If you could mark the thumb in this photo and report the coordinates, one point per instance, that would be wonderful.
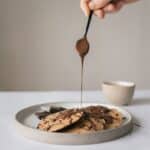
(84, 6)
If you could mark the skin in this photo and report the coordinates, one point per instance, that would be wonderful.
(103, 7)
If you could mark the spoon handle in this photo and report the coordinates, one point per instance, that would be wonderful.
(90, 17)
(88, 23)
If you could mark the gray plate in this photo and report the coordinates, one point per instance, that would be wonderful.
(26, 122)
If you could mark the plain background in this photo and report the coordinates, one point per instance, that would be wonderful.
(37, 39)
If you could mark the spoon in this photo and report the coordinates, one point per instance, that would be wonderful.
(82, 45)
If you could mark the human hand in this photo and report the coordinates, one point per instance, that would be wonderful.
(102, 7)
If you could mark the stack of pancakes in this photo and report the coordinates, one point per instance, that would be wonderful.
(83, 120)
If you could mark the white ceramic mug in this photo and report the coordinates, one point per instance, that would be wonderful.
(118, 92)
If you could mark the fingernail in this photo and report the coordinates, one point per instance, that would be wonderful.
(91, 5)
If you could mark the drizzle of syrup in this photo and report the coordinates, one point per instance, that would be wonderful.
(82, 46)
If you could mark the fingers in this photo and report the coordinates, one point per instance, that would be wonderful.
(101, 7)
(119, 5)
(87, 5)
(99, 13)
(112, 8)
(97, 4)
(84, 4)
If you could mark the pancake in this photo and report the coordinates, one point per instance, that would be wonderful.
(84, 120)
(60, 120)
(96, 118)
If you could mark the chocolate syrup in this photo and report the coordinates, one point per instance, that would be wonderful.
(81, 88)
(82, 46)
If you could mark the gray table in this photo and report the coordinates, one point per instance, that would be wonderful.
(11, 102)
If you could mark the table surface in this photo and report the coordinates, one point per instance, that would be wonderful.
(11, 102)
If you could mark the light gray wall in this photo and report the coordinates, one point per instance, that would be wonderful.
(37, 39)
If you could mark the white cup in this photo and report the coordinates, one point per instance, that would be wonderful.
(118, 92)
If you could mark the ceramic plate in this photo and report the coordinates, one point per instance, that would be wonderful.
(26, 123)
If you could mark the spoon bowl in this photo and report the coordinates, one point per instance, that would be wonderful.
(82, 46)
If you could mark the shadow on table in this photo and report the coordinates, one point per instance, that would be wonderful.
(141, 101)
(137, 125)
